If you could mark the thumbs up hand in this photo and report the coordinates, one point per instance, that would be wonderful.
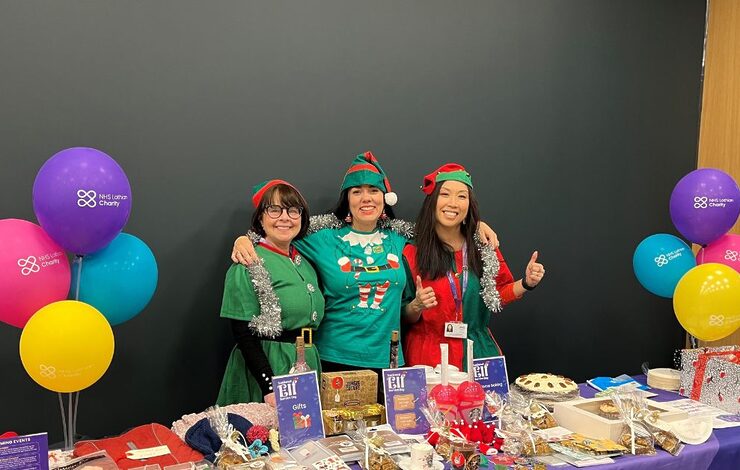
(425, 297)
(534, 272)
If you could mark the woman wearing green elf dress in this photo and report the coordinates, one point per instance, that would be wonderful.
(270, 302)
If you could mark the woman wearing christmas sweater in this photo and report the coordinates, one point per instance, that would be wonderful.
(357, 251)
(458, 282)
(269, 303)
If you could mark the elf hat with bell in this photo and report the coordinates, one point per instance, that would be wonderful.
(447, 172)
(365, 169)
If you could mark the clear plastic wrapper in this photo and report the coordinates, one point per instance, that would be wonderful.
(517, 426)
(234, 449)
(493, 402)
(635, 436)
(376, 457)
(633, 409)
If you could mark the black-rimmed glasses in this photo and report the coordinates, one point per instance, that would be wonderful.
(274, 211)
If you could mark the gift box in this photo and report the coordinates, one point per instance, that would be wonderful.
(721, 384)
(350, 388)
(583, 416)
(712, 376)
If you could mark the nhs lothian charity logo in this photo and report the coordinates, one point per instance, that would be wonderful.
(663, 259)
(28, 265)
(50, 372)
(731, 255)
(92, 199)
(704, 202)
(86, 198)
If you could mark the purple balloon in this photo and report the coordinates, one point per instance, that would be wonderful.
(82, 199)
(705, 204)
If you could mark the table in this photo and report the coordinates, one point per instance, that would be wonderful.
(720, 452)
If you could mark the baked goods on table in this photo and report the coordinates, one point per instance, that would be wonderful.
(546, 383)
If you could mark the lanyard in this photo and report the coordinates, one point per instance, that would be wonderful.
(463, 285)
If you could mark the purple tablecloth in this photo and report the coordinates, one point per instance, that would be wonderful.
(720, 452)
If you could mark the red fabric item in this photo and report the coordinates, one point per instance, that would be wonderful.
(701, 364)
(8, 434)
(142, 437)
(421, 342)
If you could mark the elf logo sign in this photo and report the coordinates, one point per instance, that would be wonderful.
(396, 382)
(480, 371)
(287, 390)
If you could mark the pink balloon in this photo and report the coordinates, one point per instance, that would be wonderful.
(34, 271)
(726, 250)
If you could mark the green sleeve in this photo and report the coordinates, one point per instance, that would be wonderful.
(309, 246)
(240, 300)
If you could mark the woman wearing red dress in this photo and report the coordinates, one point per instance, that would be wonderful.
(458, 281)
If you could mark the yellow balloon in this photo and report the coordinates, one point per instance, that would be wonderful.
(707, 301)
(66, 346)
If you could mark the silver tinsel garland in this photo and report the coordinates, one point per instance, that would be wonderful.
(323, 221)
(320, 222)
(488, 291)
(268, 323)
(401, 227)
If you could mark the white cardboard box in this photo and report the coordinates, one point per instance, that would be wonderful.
(582, 416)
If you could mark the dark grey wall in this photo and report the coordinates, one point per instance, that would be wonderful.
(576, 119)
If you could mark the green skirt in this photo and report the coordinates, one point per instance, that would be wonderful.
(239, 386)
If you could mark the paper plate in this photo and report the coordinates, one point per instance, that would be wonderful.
(695, 430)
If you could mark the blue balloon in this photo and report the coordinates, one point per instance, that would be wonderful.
(118, 280)
(660, 261)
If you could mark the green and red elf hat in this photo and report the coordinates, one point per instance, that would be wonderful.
(365, 169)
(260, 189)
(447, 172)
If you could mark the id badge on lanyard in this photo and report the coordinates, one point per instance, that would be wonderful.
(458, 329)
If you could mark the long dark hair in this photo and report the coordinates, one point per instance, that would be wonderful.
(433, 257)
(341, 208)
(289, 197)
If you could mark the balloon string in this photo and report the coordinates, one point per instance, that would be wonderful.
(64, 419)
(78, 260)
(69, 408)
(74, 420)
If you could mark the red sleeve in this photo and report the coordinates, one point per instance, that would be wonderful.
(505, 281)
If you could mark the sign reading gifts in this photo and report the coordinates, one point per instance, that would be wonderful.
(298, 408)
(490, 373)
(405, 393)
